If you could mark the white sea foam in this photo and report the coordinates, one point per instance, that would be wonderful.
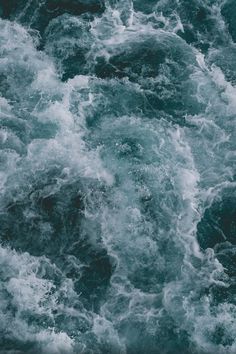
(144, 183)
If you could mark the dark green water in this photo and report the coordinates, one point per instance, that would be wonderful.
(117, 177)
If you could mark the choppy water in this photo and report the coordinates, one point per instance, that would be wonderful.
(117, 176)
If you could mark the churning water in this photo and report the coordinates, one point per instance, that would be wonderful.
(117, 176)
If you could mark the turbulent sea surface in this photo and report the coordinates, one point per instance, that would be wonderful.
(117, 176)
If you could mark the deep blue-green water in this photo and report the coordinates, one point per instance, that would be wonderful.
(118, 176)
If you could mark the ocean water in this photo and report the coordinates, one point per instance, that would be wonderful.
(117, 176)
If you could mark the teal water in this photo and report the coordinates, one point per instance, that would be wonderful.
(117, 176)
